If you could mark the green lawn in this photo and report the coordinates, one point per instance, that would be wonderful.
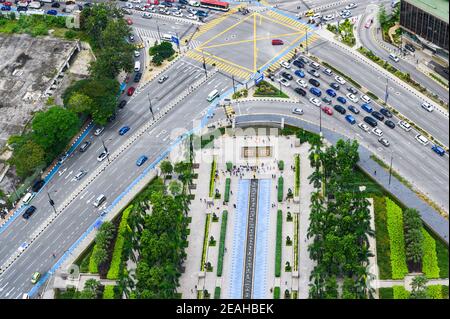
(386, 293)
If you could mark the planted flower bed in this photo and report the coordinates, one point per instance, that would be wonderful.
(223, 232)
(227, 190)
(429, 260)
(297, 176)
(278, 244)
(212, 178)
(205, 242)
(397, 241)
(296, 242)
(280, 189)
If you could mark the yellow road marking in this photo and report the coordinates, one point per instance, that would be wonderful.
(282, 23)
(212, 56)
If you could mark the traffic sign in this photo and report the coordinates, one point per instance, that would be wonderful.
(259, 78)
(175, 40)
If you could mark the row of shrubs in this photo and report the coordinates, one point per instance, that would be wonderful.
(280, 189)
(430, 265)
(205, 242)
(212, 178)
(278, 243)
(227, 190)
(297, 175)
(223, 232)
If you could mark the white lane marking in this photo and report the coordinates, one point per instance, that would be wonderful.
(2, 288)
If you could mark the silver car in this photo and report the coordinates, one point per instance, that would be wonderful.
(297, 111)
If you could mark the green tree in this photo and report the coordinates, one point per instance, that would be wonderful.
(175, 188)
(91, 289)
(80, 103)
(412, 224)
(418, 287)
(166, 167)
(27, 157)
(331, 288)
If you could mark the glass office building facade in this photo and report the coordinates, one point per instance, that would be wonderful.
(415, 18)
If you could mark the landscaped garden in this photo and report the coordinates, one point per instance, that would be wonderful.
(265, 89)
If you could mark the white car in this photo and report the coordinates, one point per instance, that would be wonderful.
(102, 156)
(365, 98)
(99, 131)
(344, 12)
(135, 1)
(384, 141)
(427, 106)
(284, 82)
(340, 80)
(79, 175)
(192, 16)
(352, 98)
(328, 72)
(315, 101)
(297, 111)
(405, 125)
(177, 14)
(23, 246)
(377, 131)
(364, 127)
(137, 53)
(316, 16)
(421, 139)
(302, 83)
(328, 17)
(350, 6)
(285, 65)
(146, 15)
(163, 78)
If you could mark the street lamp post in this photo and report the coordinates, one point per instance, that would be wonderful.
(51, 202)
(387, 92)
(150, 105)
(234, 86)
(106, 150)
(204, 64)
(320, 121)
(306, 27)
(390, 168)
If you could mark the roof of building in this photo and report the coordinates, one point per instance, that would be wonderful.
(438, 8)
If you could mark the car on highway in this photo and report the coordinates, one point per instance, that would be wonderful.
(298, 64)
(137, 53)
(410, 48)
(405, 125)
(349, 118)
(315, 91)
(328, 72)
(28, 212)
(285, 65)
(300, 91)
(302, 83)
(352, 90)
(427, 106)
(339, 108)
(326, 100)
(85, 146)
(314, 73)
(100, 199)
(314, 82)
(340, 80)
(351, 5)
(352, 97)
(327, 110)
(386, 112)
(129, 21)
(341, 99)
(52, 12)
(122, 104)
(35, 277)
(123, 130)
(383, 141)
(99, 130)
(79, 175)
(393, 57)
(37, 185)
(137, 77)
(297, 111)
(146, 15)
(335, 86)
(284, 82)
(163, 79)
(371, 121)
(389, 124)
(364, 127)
(439, 150)
(353, 109)
(287, 76)
(102, 156)
(376, 131)
(130, 91)
(315, 65)
(5, 8)
(421, 139)
(55, 5)
(299, 73)
(331, 92)
(328, 17)
(192, 16)
(141, 160)
(365, 98)
(366, 107)
(277, 42)
(378, 116)
(315, 101)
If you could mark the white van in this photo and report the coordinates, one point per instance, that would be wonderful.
(167, 37)
(28, 197)
(137, 66)
(194, 3)
(100, 199)
(214, 93)
(315, 65)
(394, 57)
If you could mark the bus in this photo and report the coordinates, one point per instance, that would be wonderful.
(215, 5)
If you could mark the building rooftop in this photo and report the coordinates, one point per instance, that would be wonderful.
(438, 8)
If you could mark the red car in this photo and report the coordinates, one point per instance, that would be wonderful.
(327, 110)
(129, 21)
(277, 42)
(7, 3)
(130, 91)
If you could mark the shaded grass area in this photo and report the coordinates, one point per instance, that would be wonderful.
(386, 293)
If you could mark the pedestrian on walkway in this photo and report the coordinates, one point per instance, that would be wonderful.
(375, 172)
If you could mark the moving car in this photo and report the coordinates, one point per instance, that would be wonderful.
(137, 53)
(352, 97)
(439, 150)
(378, 115)
(349, 118)
(162, 79)
(328, 17)
(410, 48)
(28, 212)
(302, 83)
(35, 277)
(389, 124)
(129, 21)
(315, 91)
(350, 6)
(99, 131)
(341, 99)
(79, 175)
(130, 91)
(314, 82)
(383, 141)
(393, 57)
(137, 77)
(427, 106)
(421, 139)
(297, 111)
(277, 42)
(102, 156)
(376, 131)
(331, 92)
(340, 80)
(100, 199)
(37, 185)
(353, 109)
(315, 101)
(123, 130)
(141, 160)
(85, 146)
(405, 125)
(339, 109)
(327, 110)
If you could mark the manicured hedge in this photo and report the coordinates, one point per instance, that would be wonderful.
(276, 293)
(211, 179)
(429, 260)
(217, 293)
(114, 268)
(278, 244)
(445, 292)
(226, 198)
(296, 224)
(109, 293)
(382, 238)
(400, 292)
(93, 267)
(223, 232)
(297, 176)
(280, 189)
(205, 242)
(229, 166)
(442, 255)
(434, 291)
(386, 293)
(397, 240)
(281, 165)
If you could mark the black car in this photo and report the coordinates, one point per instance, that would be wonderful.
(22, 9)
(85, 146)
(287, 76)
(371, 121)
(314, 82)
(55, 5)
(339, 108)
(389, 123)
(378, 115)
(313, 72)
(37, 185)
(138, 77)
(352, 90)
(335, 86)
(386, 112)
(303, 59)
(167, 4)
(353, 109)
(122, 104)
(111, 118)
(298, 64)
(300, 91)
(410, 47)
(272, 76)
(326, 100)
(30, 211)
